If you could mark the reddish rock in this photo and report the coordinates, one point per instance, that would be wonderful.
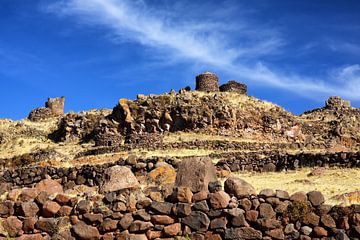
(50, 208)
(30, 237)
(50, 186)
(65, 211)
(108, 225)
(245, 204)
(29, 209)
(266, 223)
(6, 208)
(161, 207)
(316, 198)
(266, 211)
(42, 198)
(239, 221)
(172, 230)
(311, 219)
(238, 187)
(299, 197)
(119, 178)
(212, 236)
(62, 198)
(251, 215)
(242, 233)
(48, 225)
(276, 234)
(282, 194)
(84, 206)
(267, 193)
(140, 226)
(108, 236)
(318, 172)
(184, 194)
(343, 223)
(28, 194)
(162, 219)
(142, 215)
(328, 221)
(197, 221)
(200, 196)
(218, 223)
(153, 234)
(182, 209)
(320, 232)
(219, 200)
(93, 217)
(126, 221)
(355, 219)
(29, 224)
(13, 226)
(85, 232)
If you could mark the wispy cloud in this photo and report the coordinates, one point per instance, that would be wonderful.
(344, 47)
(221, 45)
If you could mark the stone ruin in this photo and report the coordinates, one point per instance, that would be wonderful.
(234, 86)
(207, 82)
(54, 107)
(336, 103)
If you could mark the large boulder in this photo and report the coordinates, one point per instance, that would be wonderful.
(50, 186)
(119, 178)
(238, 187)
(196, 173)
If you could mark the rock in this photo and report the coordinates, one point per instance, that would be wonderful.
(50, 186)
(182, 209)
(299, 197)
(50, 208)
(242, 233)
(6, 208)
(30, 237)
(202, 172)
(341, 235)
(218, 223)
(267, 193)
(162, 219)
(13, 226)
(320, 232)
(140, 226)
(162, 175)
(212, 236)
(267, 223)
(93, 217)
(142, 215)
(289, 228)
(282, 194)
(219, 200)
(153, 234)
(266, 211)
(108, 225)
(48, 225)
(311, 219)
(29, 224)
(65, 211)
(276, 233)
(126, 221)
(200, 196)
(197, 221)
(119, 207)
(84, 206)
(251, 215)
(28, 194)
(239, 221)
(62, 198)
(85, 232)
(238, 187)
(306, 230)
(328, 221)
(172, 230)
(317, 172)
(245, 204)
(316, 198)
(119, 178)
(161, 207)
(269, 167)
(201, 206)
(29, 209)
(184, 194)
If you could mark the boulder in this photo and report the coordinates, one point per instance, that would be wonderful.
(197, 221)
(50, 186)
(119, 178)
(13, 226)
(316, 198)
(202, 172)
(238, 187)
(242, 233)
(85, 232)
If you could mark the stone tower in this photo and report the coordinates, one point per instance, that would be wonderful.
(336, 103)
(233, 86)
(56, 105)
(207, 82)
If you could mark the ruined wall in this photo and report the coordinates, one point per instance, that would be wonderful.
(336, 103)
(54, 107)
(233, 86)
(207, 82)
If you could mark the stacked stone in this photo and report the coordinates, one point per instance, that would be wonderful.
(233, 86)
(197, 208)
(336, 103)
(207, 82)
(54, 107)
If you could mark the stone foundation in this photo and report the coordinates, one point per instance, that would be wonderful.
(233, 86)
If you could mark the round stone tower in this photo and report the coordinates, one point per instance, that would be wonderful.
(234, 86)
(207, 82)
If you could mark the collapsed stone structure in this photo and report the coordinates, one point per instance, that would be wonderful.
(207, 82)
(336, 103)
(233, 86)
(54, 107)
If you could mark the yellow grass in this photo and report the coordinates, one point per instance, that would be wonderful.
(335, 181)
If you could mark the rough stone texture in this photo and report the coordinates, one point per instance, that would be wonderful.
(242, 233)
(50, 186)
(197, 221)
(335, 103)
(316, 198)
(233, 86)
(56, 105)
(119, 178)
(219, 200)
(202, 172)
(86, 232)
(238, 187)
(12, 225)
(207, 82)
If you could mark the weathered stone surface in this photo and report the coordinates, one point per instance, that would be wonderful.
(50, 186)
(161, 207)
(162, 219)
(238, 187)
(239, 221)
(29, 224)
(299, 197)
(172, 230)
(320, 232)
(311, 219)
(276, 234)
(328, 221)
(48, 225)
(84, 206)
(267, 193)
(282, 194)
(242, 233)
(218, 223)
(184, 194)
(207, 82)
(182, 209)
(197, 221)
(202, 172)
(219, 200)
(200, 196)
(6, 208)
(162, 175)
(50, 208)
(316, 198)
(108, 225)
(140, 226)
(85, 232)
(29, 209)
(119, 178)
(13, 226)
(126, 221)
(266, 211)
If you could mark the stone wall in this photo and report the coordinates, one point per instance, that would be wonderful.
(336, 103)
(54, 107)
(48, 212)
(207, 82)
(233, 86)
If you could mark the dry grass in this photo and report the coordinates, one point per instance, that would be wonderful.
(333, 182)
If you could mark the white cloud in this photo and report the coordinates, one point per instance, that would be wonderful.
(208, 42)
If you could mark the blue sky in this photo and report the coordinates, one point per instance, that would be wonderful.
(93, 52)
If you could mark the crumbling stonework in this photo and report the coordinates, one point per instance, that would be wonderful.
(336, 103)
(207, 82)
(54, 107)
(233, 86)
